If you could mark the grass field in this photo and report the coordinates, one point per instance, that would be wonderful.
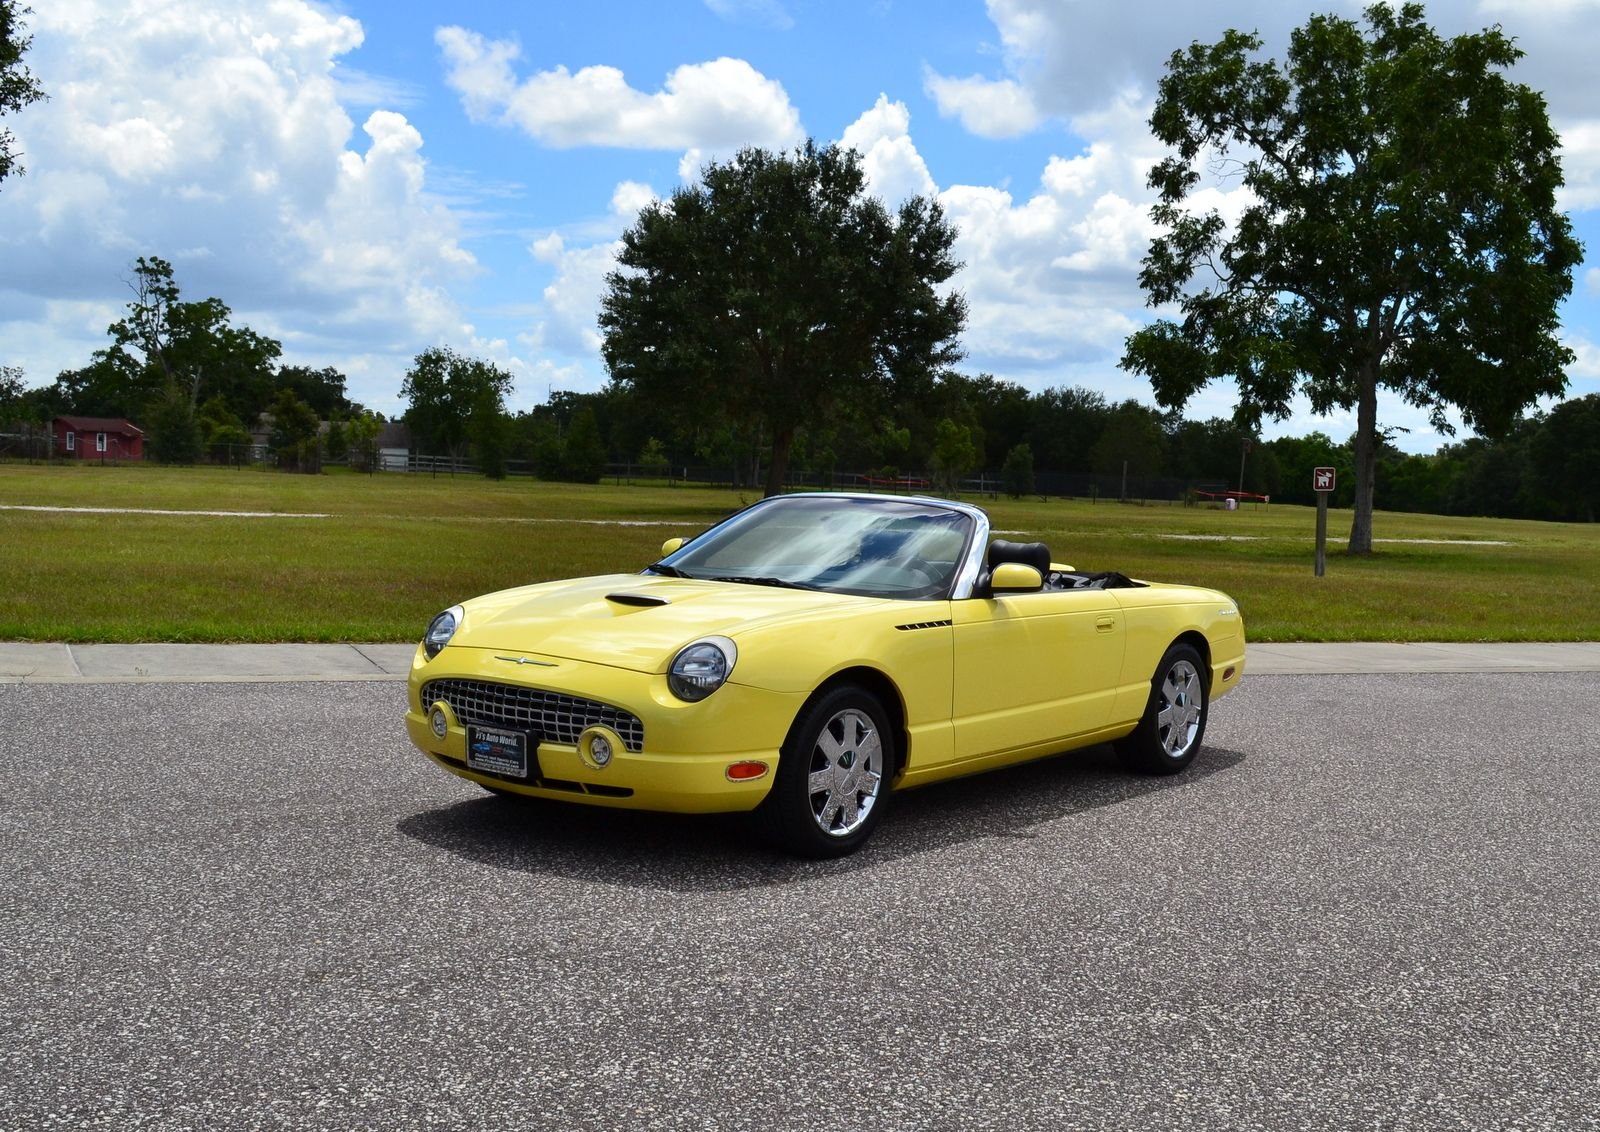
(396, 548)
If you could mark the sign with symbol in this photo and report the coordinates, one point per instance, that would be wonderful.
(1322, 479)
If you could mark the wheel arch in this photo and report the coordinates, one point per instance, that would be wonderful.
(1197, 641)
(884, 690)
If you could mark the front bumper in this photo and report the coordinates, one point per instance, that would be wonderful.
(687, 749)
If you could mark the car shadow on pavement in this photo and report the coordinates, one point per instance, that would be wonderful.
(719, 852)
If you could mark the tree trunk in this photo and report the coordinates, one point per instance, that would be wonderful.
(1366, 461)
(778, 469)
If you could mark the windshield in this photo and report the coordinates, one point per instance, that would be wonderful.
(869, 547)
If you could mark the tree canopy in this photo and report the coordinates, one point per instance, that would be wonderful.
(18, 87)
(192, 346)
(1402, 231)
(777, 291)
(451, 397)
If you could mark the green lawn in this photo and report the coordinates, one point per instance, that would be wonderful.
(397, 548)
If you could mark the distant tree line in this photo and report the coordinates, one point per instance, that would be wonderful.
(1013, 436)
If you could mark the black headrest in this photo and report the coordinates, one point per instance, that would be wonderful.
(1035, 554)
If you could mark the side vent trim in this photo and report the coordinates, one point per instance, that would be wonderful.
(925, 625)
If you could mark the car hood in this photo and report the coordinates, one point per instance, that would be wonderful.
(635, 621)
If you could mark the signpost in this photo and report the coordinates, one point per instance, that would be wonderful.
(1322, 484)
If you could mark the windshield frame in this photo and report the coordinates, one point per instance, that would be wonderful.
(963, 578)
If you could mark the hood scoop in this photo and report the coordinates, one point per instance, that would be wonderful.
(641, 600)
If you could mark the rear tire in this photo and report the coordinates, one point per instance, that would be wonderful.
(1174, 720)
(833, 775)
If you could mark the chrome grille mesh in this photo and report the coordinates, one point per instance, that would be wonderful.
(559, 718)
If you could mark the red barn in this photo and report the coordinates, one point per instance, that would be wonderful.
(94, 438)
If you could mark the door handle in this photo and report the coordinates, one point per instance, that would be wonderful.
(1105, 624)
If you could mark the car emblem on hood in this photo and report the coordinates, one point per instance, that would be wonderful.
(525, 660)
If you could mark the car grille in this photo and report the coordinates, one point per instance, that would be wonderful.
(557, 717)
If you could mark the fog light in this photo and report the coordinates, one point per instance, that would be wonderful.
(744, 772)
(597, 745)
(439, 722)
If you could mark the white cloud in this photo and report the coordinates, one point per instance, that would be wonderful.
(571, 302)
(544, 377)
(724, 102)
(1062, 60)
(1580, 165)
(211, 134)
(1587, 365)
(690, 164)
(548, 248)
(990, 108)
(895, 170)
(629, 199)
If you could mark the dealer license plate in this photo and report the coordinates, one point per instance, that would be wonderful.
(495, 750)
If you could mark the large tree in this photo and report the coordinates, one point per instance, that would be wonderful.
(168, 347)
(18, 87)
(777, 290)
(1401, 231)
(446, 390)
(322, 389)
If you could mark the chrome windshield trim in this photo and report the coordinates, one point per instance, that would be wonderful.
(977, 551)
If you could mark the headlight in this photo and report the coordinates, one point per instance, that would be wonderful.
(701, 668)
(441, 629)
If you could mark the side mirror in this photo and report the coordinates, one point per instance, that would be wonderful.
(1015, 578)
(672, 545)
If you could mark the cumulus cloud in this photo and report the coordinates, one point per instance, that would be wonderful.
(990, 108)
(568, 322)
(724, 102)
(894, 168)
(1067, 59)
(629, 199)
(548, 248)
(212, 134)
(1039, 300)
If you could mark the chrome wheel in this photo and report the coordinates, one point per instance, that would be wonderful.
(1174, 722)
(1182, 708)
(846, 773)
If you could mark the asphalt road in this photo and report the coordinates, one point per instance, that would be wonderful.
(1372, 904)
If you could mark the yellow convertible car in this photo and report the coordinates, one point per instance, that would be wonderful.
(810, 655)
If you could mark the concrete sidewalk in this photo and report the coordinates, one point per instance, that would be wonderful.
(132, 664)
(22, 663)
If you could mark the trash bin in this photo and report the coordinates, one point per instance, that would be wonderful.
(1230, 504)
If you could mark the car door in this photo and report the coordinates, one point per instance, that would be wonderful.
(1033, 668)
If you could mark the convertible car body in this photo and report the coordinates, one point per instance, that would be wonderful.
(810, 655)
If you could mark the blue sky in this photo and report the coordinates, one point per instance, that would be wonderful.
(365, 180)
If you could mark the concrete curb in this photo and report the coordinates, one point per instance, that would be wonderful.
(29, 663)
(26, 663)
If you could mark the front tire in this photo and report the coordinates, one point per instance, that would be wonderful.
(1174, 720)
(833, 775)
